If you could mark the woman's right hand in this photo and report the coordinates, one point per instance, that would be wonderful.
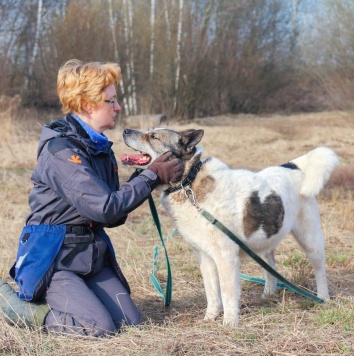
(168, 168)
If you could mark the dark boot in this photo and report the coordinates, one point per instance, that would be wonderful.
(18, 312)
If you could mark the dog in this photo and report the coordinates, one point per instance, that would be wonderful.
(260, 208)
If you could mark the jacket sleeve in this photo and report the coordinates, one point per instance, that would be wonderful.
(69, 173)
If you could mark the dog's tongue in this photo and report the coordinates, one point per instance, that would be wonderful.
(136, 159)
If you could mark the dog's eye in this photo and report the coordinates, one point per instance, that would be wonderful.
(154, 136)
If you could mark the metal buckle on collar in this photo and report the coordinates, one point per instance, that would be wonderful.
(189, 194)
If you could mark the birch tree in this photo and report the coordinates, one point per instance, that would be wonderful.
(116, 56)
(168, 22)
(178, 54)
(128, 33)
(152, 40)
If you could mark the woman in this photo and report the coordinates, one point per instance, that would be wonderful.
(66, 267)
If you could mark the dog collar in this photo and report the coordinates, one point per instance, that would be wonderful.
(186, 181)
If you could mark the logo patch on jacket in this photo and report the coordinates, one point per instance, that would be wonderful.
(75, 159)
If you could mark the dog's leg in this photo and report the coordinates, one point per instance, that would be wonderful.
(270, 281)
(308, 234)
(228, 264)
(211, 284)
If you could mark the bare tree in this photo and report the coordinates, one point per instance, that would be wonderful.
(116, 56)
(295, 31)
(168, 22)
(335, 50)
(35, 46)
(128, 32)
(10, 27)
(178, 54)
(152, 40)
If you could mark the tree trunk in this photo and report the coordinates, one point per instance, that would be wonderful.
(35, 47)
(178, 54)
(168, 23)
(128, 32)
(116, 57)
(295, 32)
(152, 41)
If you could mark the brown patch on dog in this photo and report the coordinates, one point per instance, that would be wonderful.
(268, 215)
(178, 197)
(203, 187)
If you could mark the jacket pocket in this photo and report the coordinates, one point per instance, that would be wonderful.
(76, 254)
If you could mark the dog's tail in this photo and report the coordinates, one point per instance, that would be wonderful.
(317, 165)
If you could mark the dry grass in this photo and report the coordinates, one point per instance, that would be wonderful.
(8, 111)
(285, 324)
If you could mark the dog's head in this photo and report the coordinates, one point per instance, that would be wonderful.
(155, 142)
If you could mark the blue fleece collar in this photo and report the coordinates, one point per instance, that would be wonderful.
(99, 139)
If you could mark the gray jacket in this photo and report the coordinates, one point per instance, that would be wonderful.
(77, 184)
(76, 194)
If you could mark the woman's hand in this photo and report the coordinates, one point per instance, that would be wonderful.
(168, 168)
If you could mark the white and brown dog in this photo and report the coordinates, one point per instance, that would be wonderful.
(260, 208)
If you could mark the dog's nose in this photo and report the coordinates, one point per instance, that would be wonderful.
(127, 131)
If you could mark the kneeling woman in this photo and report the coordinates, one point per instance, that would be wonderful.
(66, 271)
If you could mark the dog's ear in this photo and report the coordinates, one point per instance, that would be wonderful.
(190, 138)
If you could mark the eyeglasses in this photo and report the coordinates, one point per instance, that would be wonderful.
(111, 102)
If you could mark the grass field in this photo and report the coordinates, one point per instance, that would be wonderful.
(285, 324)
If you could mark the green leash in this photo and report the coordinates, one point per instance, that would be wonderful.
(167, 297)
(245, 277)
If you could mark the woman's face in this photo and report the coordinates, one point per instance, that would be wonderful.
(104, 117)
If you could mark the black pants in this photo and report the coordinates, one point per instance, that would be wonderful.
(96, 306)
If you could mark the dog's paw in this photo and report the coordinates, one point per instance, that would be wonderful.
(230, 322)
(267, 295)
(212, 312)
(210, 316)
(269, 290)
(325, 297)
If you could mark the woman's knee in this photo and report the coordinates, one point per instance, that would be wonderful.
(97, 325)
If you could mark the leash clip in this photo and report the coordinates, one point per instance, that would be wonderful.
(189, 194)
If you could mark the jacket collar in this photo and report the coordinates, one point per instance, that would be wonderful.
(79, 129)
(82, 132)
